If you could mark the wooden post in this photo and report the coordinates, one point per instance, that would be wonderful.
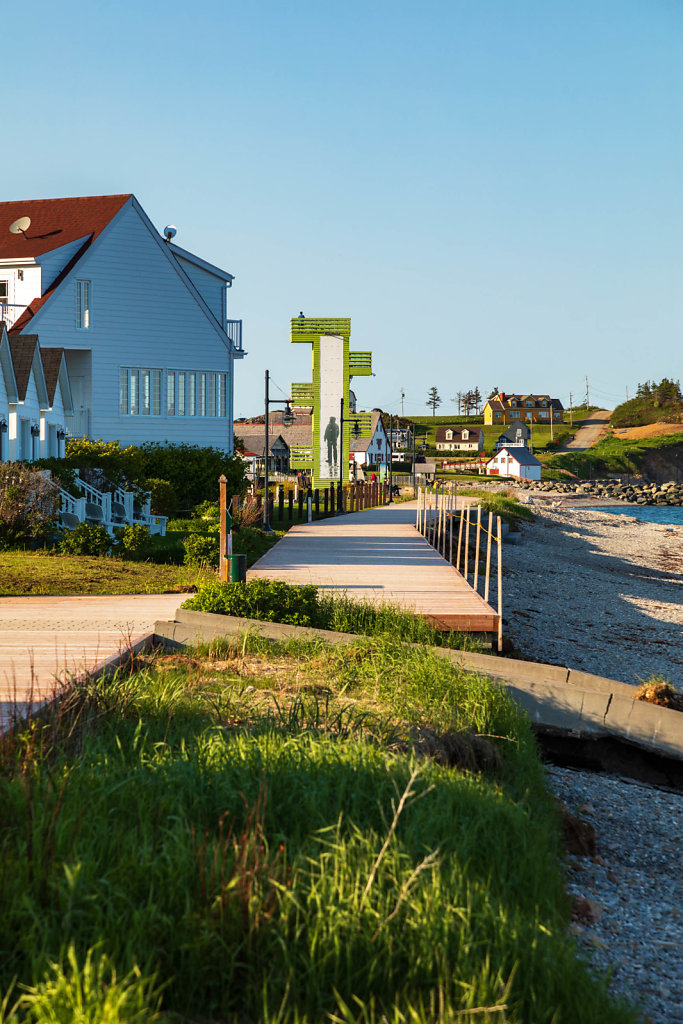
(488, 558)
(500, 585)
(450, 540)
(301, 502)
(316, 499)
(476, 556)
(326, 499)
(223, 509)
(467, 540)
(461, 518)
(333, 504)
(281, 502)
(290, 505)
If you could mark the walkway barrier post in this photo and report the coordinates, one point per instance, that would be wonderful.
(290, 505)
(309, 506)
(500, 585)
(301, 502)
(316, 499)
(467, 541)
(489, 533)
(223, 509)
(281, 502)
(417, 511)
(326, 499)
(460, 522)
(476, 556)
(332, 502)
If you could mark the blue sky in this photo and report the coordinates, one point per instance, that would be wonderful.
(490, 189)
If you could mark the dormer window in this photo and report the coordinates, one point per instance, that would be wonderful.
(465, 434)
(529, 405)
(449, 435)
(513, 402)
(83, 289)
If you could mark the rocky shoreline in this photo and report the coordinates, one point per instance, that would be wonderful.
(637, 493)
(596, 591)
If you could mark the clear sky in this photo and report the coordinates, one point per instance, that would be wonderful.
(490, 189)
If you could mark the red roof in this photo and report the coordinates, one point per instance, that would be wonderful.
(55, 222)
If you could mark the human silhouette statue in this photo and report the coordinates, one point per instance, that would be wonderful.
(331, 434)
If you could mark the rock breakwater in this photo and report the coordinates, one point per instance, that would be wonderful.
(638, 493)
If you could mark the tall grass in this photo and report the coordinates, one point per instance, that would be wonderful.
(230, 852)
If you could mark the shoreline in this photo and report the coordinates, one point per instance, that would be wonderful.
(596, 591)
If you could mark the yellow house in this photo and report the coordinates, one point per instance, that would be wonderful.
(502, 408)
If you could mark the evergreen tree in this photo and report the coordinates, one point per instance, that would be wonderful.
(433, 399)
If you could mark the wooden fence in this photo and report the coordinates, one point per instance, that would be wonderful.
(461, 536)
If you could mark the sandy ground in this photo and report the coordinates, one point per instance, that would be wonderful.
(596, 591)
(650, 430)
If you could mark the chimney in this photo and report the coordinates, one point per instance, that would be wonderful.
(501, 395)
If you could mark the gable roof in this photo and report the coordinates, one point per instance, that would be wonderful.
(55, 222)
(24, 352)
(514, 429)
(521, 455)
(52, 362)
(473, 432)
(6, 365)
(362, 444)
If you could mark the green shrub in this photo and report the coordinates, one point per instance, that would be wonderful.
(192, 470)
(206, 510)
(164, 500)
(269, 600)
(201, 549)
(132, 541)
(86, 539)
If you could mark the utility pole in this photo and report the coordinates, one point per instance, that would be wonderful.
(587, 403)
(627, 392)
(571, 411)
(403, 394)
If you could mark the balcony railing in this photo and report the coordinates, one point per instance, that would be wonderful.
(304, 327)
(10, 312)
(233, 329)
(302, 394)
(360, 364)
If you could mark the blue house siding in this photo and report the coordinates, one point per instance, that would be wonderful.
(53, 263)
(143, 315)
(211, 288)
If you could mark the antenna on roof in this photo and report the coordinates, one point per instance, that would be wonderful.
(20, 226)
(170, 231)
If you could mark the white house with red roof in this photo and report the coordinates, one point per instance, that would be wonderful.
(148, 348)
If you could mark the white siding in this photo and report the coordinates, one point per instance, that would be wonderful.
(22, 415)
(143, 315)
(54, 262)
(210, 287)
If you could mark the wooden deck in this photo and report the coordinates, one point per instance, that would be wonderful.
(378, 556)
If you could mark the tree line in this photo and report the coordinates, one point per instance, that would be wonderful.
(468, 402)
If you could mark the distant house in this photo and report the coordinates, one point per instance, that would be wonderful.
(370, 451)
(253, 439)
(459, 439)
(517, 462)
(147, 343)
(401, 438)
(517, 435)
(502, 408)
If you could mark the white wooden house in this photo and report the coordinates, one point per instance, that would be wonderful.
(60, 406)
(8, 392)
(148, 346)
(370, 451)
(31, 399)
(517, 462)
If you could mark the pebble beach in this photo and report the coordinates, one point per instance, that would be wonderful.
(603, 592)
(596, 591)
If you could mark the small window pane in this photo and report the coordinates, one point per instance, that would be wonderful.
(211, 397)
(156, 392)
(221, 394)
(181, 394)
(201, 394)
(145, 390)
(170, 393)
(123, 391)
(191, 393)
(134, 392)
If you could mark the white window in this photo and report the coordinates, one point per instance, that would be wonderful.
(4, 292)
(139, 391)
(192, 393)
(83, 290)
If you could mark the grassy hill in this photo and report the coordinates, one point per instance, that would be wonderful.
(654, 403)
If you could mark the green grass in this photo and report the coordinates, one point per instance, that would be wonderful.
(613, 455)
(509, 509)
(38, 572)
(293, 833)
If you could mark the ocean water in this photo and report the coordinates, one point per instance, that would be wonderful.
(668, 515)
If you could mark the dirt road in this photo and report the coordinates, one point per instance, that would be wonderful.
(589, 432)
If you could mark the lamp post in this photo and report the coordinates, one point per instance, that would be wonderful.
(355, 433)
(35, 433)
(287, 420)
(3, 430)
(391, 460)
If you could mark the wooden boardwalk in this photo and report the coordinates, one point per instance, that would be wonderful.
(378, 556)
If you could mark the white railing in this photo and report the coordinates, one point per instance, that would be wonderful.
(10, 312)
(233, 329)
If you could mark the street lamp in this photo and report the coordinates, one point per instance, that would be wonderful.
(287, 420)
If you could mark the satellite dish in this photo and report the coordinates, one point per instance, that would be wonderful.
(18, 227)
(170, 231)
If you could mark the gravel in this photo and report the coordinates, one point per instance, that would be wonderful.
(633, 885)
(598, 592)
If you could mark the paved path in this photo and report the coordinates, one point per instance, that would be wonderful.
(589, 432)
(45, 640)
(378, 556)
